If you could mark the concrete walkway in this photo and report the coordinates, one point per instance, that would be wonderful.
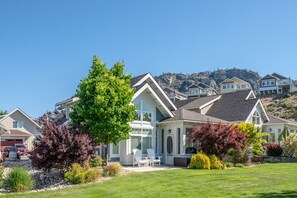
(149, 168)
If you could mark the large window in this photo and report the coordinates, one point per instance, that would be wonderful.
(143, 112)
(191, 146)
(18, 124)
(256, 118)
(141, 139)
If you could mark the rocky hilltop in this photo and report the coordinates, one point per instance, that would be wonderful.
(182, 81)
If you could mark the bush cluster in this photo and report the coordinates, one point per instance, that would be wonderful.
(274, 150)
(18, 180)
(112, 169)
(239, 165)
(200, 161)
(289, 145)
(96, 162)
(216, 163)
(78, 174)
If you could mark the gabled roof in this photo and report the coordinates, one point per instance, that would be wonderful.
(170, 90)
(269, 76)
(227, 80)
(238, 80)
(22, 112)
(279, 76)
(194, 86)
(149, 79)
(196, 103)
(191, 116)
(276, 120)
(233, 106)
(17, 133)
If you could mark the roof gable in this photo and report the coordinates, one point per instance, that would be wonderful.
(279, 76)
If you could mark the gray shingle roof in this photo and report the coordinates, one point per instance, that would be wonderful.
(135, 79)
(184, 114)
(194, 103)
(277, 120)
(233, 106)
(279, 76)
(268, 76)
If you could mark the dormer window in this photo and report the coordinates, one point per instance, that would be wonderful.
(143, 112)
(256, 118)
(18, 124)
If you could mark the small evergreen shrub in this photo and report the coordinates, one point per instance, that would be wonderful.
(92, 175)
(229, 164)
(18, 180)
(216, 163)
(289, 145)
(239, 165)
(113, 169)
(274, 150)
(75, 174)
(200, 161)
(96, 162)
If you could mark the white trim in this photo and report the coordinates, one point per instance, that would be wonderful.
(251, 92)
(252, 112)
(212, 101)
(18, 109)
(161, 90)
(147, 86)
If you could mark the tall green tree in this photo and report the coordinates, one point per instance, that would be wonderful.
(104, 107)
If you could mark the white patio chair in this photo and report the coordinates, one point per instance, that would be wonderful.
(137, 158)
(153, 158)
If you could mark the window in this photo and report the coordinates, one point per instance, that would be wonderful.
(141, 139)
(143, 112)
(115, 149)
(178, 140)
(18, 124)
(189, 141)
(256, 118)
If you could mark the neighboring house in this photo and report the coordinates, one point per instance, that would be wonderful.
(234, 84)
(166, 126)
(19, 128)
(275, 84)
(200, 90)
(174, 94)
(276, 125)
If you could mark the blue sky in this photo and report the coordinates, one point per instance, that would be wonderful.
(46, 47)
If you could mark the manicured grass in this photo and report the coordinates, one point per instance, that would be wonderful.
(267, 180)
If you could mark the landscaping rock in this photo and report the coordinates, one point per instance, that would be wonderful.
(49, 179)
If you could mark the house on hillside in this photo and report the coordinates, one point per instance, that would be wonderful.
(234, 84)
(174, 94)
(18, 128)
(166, 126)
(200, 90)
(275, 84)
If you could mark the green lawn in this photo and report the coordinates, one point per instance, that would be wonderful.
(267, 180)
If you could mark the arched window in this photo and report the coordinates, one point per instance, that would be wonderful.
(256, 118)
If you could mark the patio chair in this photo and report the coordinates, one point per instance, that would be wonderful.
(153, 158)
(137, 158)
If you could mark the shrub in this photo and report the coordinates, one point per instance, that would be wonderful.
(229, 164)
(219, 139)
(61, 146)
(289, 145)
(200, 161)
(274, 150)
(96, 162)
(239, 165)
(18, 180)
(78, 174)
(1, 174)
(75, 174)
(216, 163)
(113, 169)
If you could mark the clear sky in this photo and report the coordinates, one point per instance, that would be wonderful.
(46, 47)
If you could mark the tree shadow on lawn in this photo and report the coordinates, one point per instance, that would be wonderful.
(289, 194)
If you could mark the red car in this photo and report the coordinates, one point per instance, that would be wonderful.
(21, 149)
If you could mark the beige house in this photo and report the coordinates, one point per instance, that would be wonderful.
(233, 84)
(18, 128)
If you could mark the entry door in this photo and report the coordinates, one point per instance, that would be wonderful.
(169, 142)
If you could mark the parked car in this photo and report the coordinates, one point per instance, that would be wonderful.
(5, 152)
(21, 148)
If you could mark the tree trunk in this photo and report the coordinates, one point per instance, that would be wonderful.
(106, 150)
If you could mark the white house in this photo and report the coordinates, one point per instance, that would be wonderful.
(234, 84)
(18, 128)
(165, 126)
(200, 90)
(174, 94)
(275, 84)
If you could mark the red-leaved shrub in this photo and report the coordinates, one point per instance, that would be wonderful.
(60, 146)
(274, 150)
(219, 139)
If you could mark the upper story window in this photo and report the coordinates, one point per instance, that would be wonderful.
(228, 86)
(143, 112)
(256, 118)
(18, 124)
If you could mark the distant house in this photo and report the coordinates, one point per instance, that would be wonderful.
(275, 84)
(174, 94)
(18, 128)
(200, 90)
(233, 84)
